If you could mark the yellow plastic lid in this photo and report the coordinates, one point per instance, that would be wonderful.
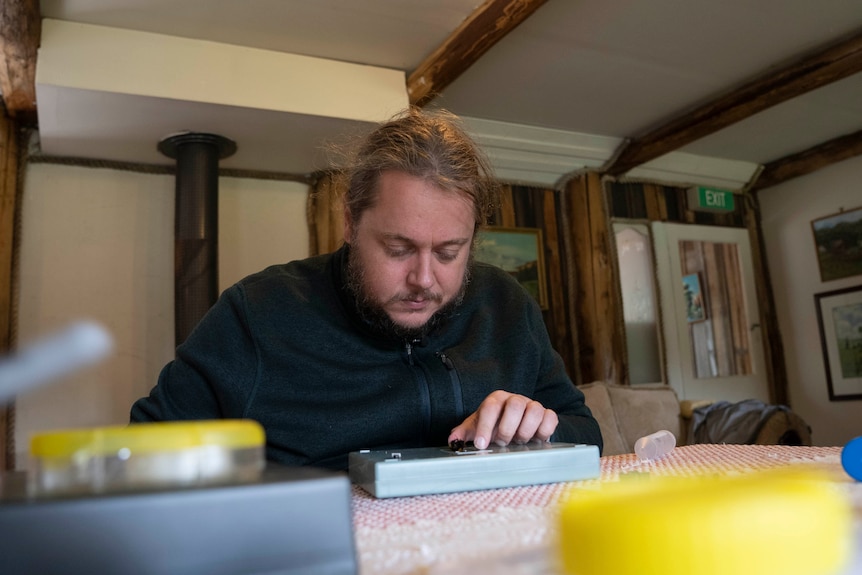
(149, 437)
(788, 523)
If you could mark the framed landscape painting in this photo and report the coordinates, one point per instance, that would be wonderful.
(519, 251)
(839, 315)
(838, 239)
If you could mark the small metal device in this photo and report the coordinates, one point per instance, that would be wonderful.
(427, 470)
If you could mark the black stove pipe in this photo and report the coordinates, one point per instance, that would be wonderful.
(195, 224)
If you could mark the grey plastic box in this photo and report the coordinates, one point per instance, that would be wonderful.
(429, 470)
(290, 521)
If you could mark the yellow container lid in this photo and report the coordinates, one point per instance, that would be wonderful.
(787, 523)
(154, 437)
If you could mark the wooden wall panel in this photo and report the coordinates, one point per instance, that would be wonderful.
(583, 318)
(713, 256)
(739, 320)
(610, 326)
(556, 316)
(325, 215)
(506, 215)
(656, 203)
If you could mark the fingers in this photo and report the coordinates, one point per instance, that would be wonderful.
(504, 418)
(548, 426)
(466, 431)
(487, 416)
(524, 420)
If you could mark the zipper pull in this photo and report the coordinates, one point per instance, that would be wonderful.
(455, 379)
(446, 361)
(408, 346)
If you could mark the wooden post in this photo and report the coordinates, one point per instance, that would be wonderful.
(20, 34)
(598, 314)
(8, 208)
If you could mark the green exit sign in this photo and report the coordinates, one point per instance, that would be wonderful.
(702, 198)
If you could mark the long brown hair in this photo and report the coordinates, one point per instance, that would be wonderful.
(425, 144)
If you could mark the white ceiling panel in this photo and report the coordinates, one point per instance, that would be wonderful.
(606, 70)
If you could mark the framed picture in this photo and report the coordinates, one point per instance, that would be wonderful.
(694, 308)
(839, 315)
(519, 251)
(838, 239)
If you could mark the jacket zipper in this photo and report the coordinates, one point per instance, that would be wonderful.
(455, 380)
(408, 347)
(424, 388)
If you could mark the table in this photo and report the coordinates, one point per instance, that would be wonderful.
(512, 530)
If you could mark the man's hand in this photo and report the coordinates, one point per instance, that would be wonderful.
(505, 418)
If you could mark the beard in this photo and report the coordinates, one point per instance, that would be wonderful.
(374, 314)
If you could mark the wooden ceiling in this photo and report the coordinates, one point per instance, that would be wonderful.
(490, 24)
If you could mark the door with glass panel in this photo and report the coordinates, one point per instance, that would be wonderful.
(636, 268)
(713, 343)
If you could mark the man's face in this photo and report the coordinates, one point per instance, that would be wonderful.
(411, 249)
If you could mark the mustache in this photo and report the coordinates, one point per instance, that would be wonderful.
(426, 295)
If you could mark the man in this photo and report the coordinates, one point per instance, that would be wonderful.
(398, 339)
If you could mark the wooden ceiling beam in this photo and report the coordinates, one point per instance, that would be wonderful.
(486, 26)
(829, 65)
(20, 31)
(808, 161)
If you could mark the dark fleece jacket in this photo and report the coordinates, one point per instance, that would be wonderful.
(286, 347)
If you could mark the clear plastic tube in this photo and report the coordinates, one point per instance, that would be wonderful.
(79, 345)
(655, 445)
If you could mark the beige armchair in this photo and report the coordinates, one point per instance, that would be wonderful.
(627, 413)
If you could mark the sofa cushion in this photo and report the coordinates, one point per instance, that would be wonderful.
(599, 402)
(644, 409)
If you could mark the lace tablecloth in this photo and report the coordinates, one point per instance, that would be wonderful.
(512, 530)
